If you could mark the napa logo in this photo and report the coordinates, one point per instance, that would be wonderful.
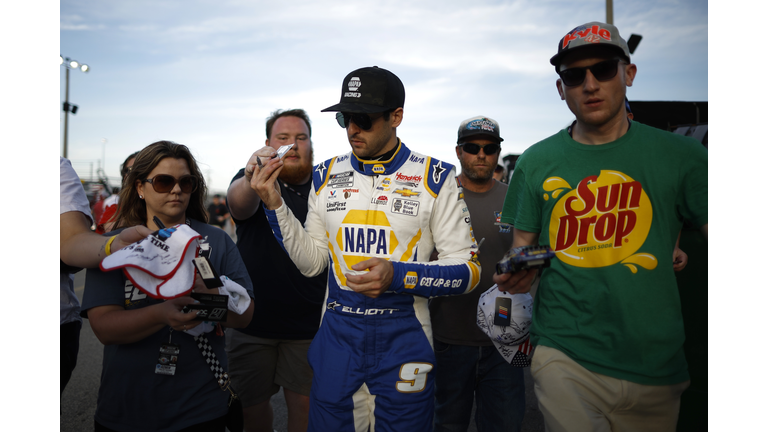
(365, 234)
(378, 169)
(366, 240)
(362, 234)
(410, 280)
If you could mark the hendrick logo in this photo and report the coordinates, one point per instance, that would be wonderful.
(408, 180)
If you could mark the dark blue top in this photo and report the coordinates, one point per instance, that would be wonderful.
(132, 397)
(288, 305)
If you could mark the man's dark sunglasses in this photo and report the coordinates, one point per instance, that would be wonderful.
(603, 71)
(361, 120)
(164, 183)
(488, 149)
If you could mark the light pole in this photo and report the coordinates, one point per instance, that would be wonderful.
(69, 64)
(634, 39)
(103, 155)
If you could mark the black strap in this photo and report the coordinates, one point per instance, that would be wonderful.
(222, 377)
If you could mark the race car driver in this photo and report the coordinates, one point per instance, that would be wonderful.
(375, 215)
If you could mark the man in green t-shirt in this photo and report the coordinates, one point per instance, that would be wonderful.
(609, 195)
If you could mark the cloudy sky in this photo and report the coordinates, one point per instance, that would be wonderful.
(207, 73)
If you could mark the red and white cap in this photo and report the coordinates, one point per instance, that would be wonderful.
(161, 264)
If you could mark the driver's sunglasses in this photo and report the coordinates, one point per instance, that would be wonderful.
(164, 183)
(473, 149)
(603, 71)
(363, 121)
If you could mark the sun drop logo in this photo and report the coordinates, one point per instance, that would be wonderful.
(604, 221)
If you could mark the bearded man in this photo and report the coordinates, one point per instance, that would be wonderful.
(272, 351)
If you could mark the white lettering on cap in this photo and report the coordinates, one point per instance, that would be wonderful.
(354, 84)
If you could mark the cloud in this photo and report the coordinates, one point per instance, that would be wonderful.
(208, 72)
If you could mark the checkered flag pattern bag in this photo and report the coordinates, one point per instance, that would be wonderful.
(235, 414)
(222, 377)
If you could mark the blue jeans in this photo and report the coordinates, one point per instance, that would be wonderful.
(464, 373)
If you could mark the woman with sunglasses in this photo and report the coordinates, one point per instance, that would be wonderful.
(166, 183)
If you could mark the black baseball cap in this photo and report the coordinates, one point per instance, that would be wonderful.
(370, 90)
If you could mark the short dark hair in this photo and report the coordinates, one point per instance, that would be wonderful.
(297, 112)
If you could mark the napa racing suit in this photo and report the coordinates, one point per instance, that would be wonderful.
(372, 357)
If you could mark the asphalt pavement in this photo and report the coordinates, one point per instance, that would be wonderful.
(78, 402)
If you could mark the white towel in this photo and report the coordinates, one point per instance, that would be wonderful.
(239, 300)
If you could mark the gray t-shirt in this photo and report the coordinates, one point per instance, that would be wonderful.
(131, 395)
(454, 318)
(71, 198)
